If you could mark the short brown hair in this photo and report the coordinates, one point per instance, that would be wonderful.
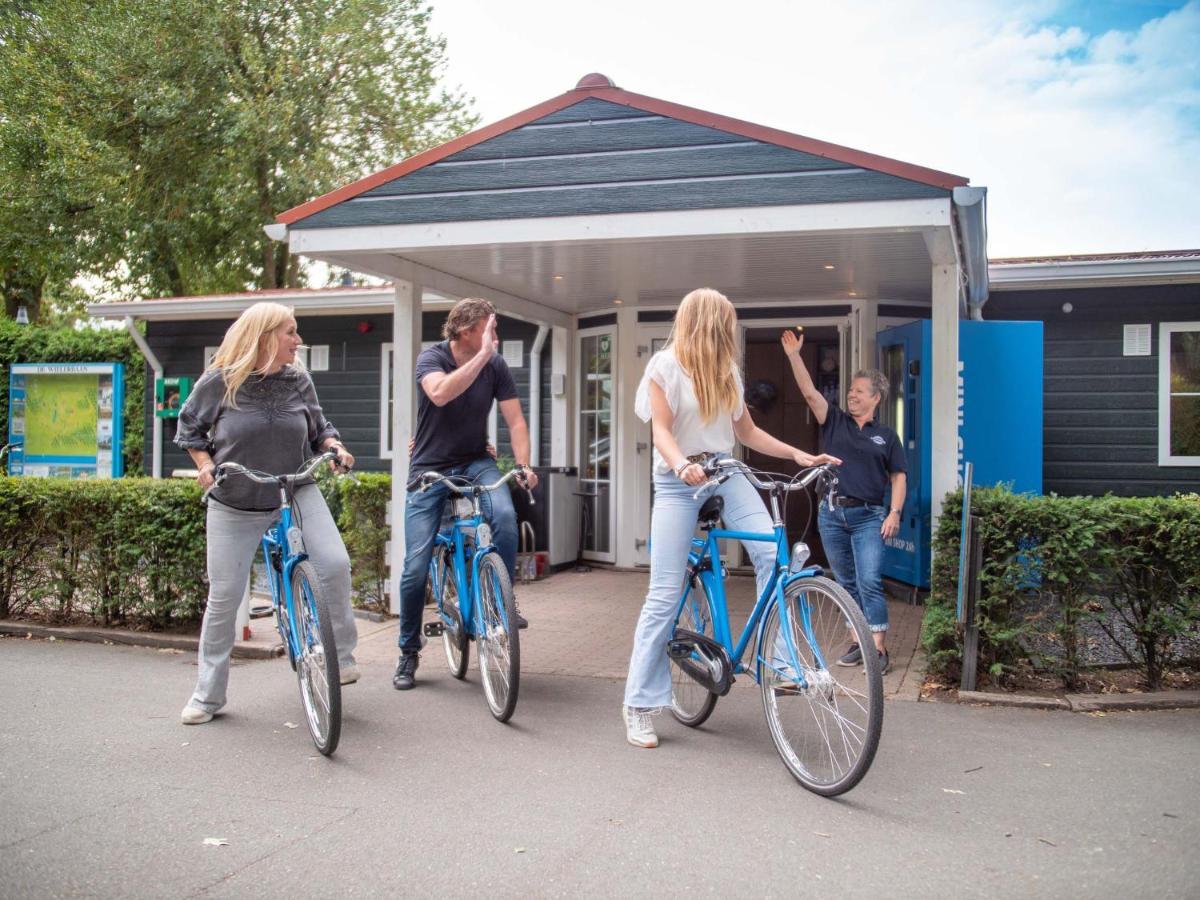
(464, 314)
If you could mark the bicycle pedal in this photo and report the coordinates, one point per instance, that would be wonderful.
(433, 629)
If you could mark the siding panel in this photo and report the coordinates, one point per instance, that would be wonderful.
(1100, 406)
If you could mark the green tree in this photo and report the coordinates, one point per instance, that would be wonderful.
(146, 142)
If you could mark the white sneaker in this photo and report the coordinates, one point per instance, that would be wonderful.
(194, 715)
(639, 730)
(349, 674)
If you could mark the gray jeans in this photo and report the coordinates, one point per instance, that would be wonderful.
(233, 538)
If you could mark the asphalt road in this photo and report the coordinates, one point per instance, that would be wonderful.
(103, 793)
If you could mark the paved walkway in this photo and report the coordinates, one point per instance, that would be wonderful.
(582, 624)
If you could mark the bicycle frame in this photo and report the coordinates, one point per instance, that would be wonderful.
(276, 549)
(456, 539)
(704, 560)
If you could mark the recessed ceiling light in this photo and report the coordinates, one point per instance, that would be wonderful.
(854, 293)
(829, 267)
(558, 278)
(618, 301)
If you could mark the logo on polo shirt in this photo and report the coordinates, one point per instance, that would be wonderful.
(879, 440)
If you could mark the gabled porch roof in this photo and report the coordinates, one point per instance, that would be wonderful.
(600, 195)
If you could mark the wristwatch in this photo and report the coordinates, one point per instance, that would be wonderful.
(897, 512)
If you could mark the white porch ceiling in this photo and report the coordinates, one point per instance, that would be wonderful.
(586, 276)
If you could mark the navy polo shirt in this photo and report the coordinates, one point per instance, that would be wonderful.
(456, 434)
(869, 455)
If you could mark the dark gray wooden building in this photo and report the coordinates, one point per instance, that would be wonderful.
(585, 219)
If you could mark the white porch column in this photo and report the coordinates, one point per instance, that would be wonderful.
(868, 328)
(406, 343)
(945, 379)
(625, 427)
(562, 382)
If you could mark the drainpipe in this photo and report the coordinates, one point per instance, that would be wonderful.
(970, 209)
(535, 396)
(156, 366)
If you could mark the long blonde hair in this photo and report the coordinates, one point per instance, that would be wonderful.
(253, 333)
(705, 343)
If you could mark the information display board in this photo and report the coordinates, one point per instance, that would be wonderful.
(65, 419)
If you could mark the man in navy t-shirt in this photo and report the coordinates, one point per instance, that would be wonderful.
(459, 379)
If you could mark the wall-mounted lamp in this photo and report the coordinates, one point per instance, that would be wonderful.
(1067, 307)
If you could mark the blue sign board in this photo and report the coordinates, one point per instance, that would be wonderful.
(65, 419)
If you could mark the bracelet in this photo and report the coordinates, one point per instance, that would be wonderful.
(895, 512)
(683, 465)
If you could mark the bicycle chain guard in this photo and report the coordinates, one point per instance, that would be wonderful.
(702, 659)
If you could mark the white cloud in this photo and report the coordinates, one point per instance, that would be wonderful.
(1087, 142)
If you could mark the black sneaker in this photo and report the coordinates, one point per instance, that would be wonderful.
(852, 657)
(885, 664)
(405, 678)
(522, 622)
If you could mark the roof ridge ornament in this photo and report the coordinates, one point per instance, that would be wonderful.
(594, 80)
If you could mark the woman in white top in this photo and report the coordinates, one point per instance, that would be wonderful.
(692, 394)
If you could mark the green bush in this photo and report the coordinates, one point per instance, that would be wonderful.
(1058, 571)
(120, 552)
(362, 518)
(35, 343)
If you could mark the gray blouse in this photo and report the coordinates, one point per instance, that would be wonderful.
(277, 425)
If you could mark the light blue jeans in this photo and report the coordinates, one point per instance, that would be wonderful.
(854, 545)
(672, 525)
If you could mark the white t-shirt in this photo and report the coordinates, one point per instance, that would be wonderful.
(691, 432)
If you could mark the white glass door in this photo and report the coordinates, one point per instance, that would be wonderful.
(597, 355)
(651, 339)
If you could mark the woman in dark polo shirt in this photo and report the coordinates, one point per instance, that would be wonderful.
(870, 491)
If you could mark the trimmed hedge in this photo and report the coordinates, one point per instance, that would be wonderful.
(125, 551)
(35, 344)
(131, 551)
(1067, 580)
(362, 518)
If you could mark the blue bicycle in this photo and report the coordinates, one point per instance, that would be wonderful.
(474, 594)
(825, 722)
(301, 613)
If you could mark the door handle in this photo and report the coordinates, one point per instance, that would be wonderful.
(641, 446)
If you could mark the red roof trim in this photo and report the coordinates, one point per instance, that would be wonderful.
(836, 152)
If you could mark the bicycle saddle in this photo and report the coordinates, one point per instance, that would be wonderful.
(710, 513)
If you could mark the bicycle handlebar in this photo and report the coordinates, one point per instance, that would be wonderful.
(712, 467)
(225, 469)
(459, 482)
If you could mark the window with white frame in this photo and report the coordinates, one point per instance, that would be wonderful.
(1179, 394)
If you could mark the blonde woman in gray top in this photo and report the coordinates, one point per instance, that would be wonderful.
(255, 405)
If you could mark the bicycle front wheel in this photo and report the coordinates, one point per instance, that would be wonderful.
(691, 702)
(825, 720)
(454, 635)
(496, 637)
(316, 661)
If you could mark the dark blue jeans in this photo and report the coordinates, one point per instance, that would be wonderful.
(854, 545)
(423, 515)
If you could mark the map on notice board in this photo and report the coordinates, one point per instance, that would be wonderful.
(61, 415)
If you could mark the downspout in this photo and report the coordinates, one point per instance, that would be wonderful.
(970, 208)
(535, 396)
(156, 366)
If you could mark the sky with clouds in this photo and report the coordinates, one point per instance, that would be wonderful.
(1081, 118)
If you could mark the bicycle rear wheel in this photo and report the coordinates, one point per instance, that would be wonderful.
(691, 702)
(454, 635)
(825, 720)
(497, 640)
(317, 661)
